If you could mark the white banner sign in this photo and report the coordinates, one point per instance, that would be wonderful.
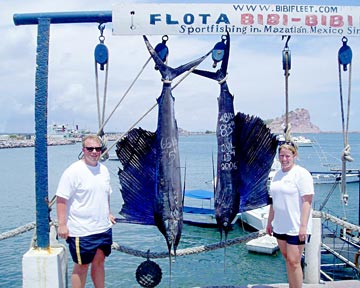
(241, 19)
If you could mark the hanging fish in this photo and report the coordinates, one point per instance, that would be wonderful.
(151, 177)
(246, 150)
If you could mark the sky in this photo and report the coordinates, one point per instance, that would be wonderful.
(256, 78)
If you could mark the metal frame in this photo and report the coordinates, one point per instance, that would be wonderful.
(44, 20)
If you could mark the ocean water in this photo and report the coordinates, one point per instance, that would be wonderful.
(238, 267)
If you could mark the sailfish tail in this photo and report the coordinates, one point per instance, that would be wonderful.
(136, 153)
(168, 72)
(255, 148)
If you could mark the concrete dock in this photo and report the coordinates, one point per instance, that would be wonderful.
(333, 284)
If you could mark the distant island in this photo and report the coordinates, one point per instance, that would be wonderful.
(299, 120)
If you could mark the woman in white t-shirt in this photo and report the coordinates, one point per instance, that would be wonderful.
(292, 191)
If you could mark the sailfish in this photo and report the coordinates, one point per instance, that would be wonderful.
(151, 177)
(245, 151)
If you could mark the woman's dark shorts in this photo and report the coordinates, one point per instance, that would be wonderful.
(83, 249)
(291, 239)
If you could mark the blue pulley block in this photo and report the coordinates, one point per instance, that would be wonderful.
(101, 55)
(218, 52)
(345, 54)
(162, 51)
(286, 59)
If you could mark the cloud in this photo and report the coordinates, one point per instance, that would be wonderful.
(255, 75)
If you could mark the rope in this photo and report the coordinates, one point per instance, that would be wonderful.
(101, 58)
(125, 94)
(187, 73)
(24, 228)
(223, 80)
(345, 127)
(335, 220)
(344, 58)
(52, 201)
(287, 67)
(218, 245)
(131, 127)
(188, 251)
(287, 127)
(318, 214)
(191, 250)
(331, 191)
(166, 81)
(105, 93)
(17, 231)
(97, 94)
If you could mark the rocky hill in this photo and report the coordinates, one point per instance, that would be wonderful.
(299, 120)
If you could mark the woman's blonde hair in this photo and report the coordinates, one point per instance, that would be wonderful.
(289, 146)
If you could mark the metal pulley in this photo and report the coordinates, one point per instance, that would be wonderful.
(345, 54)
(101, 52)
(101, 55)
(286, 56)
(162, 50)
(286, 60)
(218, 51)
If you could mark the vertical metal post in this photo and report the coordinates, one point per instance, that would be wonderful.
(41, 157)
(313, 254)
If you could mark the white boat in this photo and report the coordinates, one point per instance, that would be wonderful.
(327, 177)
(199, 208)
(323, 177)
(265, 244)
(300, 141)
(256, 218)
(333, 177)
(65, 131)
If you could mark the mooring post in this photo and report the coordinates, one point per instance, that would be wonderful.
(43, 265)
(41, 157)
(313, 254)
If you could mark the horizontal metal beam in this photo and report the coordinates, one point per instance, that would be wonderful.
(63, 17)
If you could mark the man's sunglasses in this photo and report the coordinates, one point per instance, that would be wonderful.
(90, 149)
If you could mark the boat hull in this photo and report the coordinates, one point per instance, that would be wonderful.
(201, 217)
(265, 245)
(331, 178)
(256, 218)
(198, 209)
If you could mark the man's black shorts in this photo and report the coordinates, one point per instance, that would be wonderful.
(83, 249)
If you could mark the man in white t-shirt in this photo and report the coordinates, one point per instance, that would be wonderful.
(84, 217)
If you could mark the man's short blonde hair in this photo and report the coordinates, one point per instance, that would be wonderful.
(92, 137)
